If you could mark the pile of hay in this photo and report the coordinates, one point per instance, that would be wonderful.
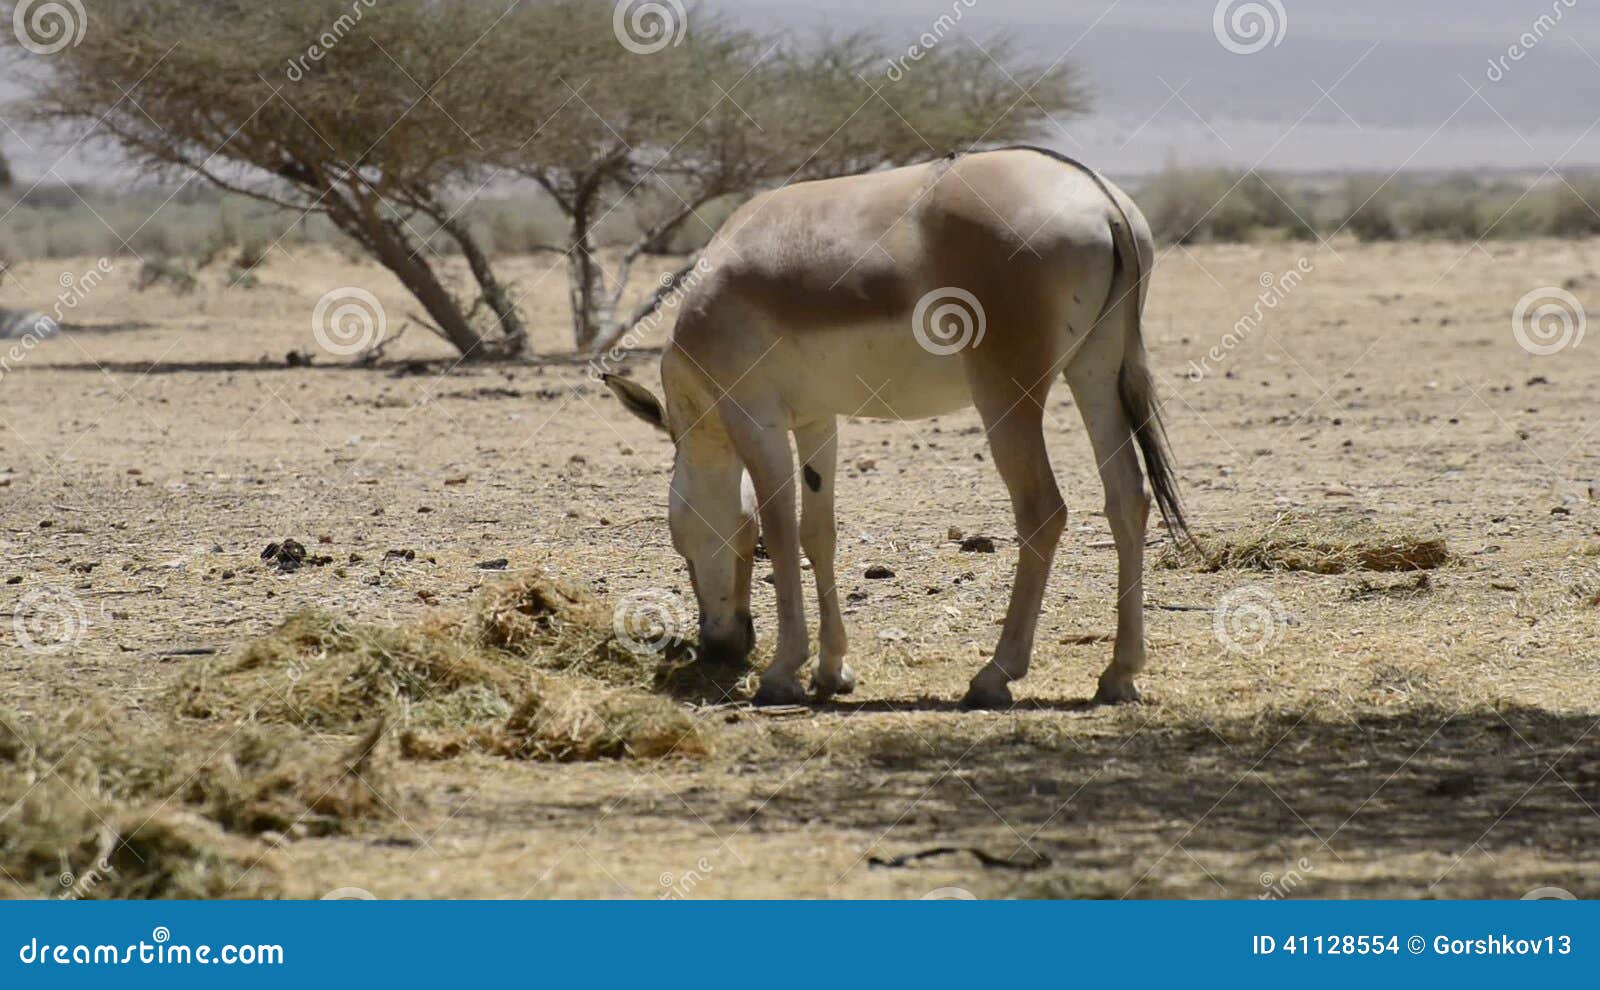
(532, 670)
(1324, 543)
(101, 806)
(563, 721)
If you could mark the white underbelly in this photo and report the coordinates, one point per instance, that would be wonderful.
(878, 371)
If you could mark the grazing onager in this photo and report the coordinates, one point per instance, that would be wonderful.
(974, 280)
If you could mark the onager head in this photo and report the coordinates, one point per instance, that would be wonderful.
(711, 513)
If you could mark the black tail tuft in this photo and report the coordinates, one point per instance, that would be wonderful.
(1137, 391)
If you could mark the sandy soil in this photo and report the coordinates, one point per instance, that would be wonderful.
(1385, 740)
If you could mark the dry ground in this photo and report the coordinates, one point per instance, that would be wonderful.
(1389, 739)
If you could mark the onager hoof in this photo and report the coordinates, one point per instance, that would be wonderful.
(1116, 691)
(780, 690)
(825, 687)
(984, 696)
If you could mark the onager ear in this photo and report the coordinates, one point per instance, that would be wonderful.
(638, 400)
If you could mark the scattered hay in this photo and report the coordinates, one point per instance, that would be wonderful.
(255, 788)
(330, 673)
(533, 670)
(55, 842)
(128, 810)
(1328, 543)
(562, 721)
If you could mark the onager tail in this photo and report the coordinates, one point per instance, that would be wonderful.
(1135, 386)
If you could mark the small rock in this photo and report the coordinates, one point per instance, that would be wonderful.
(865, 464)
(954, 534)
(1455, 785)
(497, 564)
(977, 544)
(878, 572)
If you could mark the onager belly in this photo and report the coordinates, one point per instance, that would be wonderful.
(879, 370)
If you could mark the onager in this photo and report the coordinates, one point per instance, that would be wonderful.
(974, 280)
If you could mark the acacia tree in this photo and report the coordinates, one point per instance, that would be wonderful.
(661, 133)
(382, 113)
(321, 106)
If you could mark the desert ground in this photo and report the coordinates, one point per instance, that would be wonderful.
(1395, 734)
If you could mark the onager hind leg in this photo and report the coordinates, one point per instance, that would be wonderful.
(1094, 386)
(818, 445)
(1013, 416)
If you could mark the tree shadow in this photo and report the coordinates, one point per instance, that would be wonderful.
(1149, 801)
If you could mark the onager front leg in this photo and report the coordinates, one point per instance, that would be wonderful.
(767, 456)
(818, 445)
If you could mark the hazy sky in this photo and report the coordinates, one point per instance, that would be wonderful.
(1400, 75)
(1401, 78)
